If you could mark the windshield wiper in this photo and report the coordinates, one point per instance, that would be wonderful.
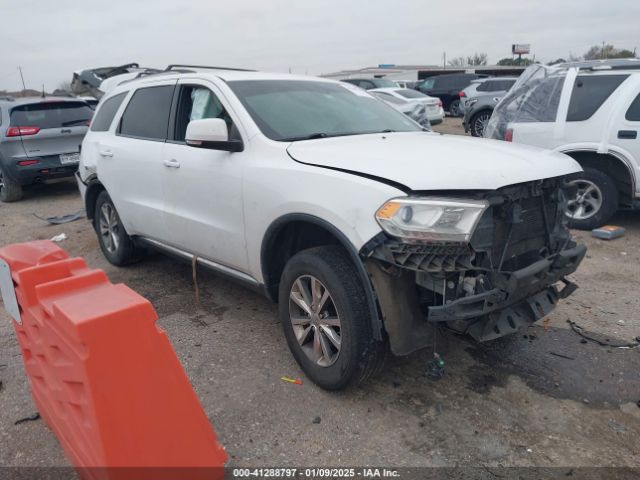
(306, 137)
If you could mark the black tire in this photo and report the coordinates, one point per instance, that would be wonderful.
(360, 355)
(476, 127)
(609, 200)
(119, 250)
(454, 108)
(10, 191)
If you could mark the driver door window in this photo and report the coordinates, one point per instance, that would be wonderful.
(195, 103)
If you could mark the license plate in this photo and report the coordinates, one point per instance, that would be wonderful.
(67, 158)
(8, 293)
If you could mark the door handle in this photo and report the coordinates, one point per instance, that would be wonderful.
(627, 134)
(173, 163)
(106, 153)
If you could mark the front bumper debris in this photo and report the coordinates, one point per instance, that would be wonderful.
(511, 274)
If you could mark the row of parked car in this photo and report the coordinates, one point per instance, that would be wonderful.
(457, 93)
(594, 119)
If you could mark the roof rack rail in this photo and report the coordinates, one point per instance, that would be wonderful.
(177, 65)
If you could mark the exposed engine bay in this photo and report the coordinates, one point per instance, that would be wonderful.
(510, 274)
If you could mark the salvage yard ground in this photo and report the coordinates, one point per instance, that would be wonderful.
(539, 398)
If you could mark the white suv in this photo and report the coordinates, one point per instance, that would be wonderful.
(590, 111)
(368, 231)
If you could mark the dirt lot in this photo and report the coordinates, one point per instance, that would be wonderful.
(539, 398)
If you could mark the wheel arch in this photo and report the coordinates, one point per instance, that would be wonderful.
(612, 164)
(94, 187)
(295, 232)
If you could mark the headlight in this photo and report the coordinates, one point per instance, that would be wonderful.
(431, 219)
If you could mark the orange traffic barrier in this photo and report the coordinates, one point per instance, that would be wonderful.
(104, 377)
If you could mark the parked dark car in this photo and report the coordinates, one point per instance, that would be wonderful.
(369, 83)
(39, 140)
(478, 113)
(447, 88)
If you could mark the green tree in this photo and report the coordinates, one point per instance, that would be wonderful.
(598, 52)
(515, 62)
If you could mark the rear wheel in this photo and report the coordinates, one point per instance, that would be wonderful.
(595, 202)
(114, 241)
(326, 320)
(10, 191)
(478, 123)
(454, 108)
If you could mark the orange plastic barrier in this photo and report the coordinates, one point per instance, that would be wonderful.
(103, 376)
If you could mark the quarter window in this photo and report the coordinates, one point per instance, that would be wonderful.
(106, 112)
(633, 114)
(147, 114)
(589, 93)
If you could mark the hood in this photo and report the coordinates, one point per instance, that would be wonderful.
(430, 161)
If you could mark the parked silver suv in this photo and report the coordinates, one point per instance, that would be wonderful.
(39, 140)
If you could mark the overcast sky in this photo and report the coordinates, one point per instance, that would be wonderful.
(51, 39)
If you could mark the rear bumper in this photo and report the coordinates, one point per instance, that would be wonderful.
(47, 168)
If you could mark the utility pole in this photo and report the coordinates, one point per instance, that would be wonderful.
(23, 85)
(444, 60)
(603, 50)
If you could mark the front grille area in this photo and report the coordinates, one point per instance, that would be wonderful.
(513, 232)
(432, 258)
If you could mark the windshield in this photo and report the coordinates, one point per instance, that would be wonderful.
(289, 110)
(384, 83)
(535, 97)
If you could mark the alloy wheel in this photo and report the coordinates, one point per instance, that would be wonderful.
(587, 202)
(480, 124)
(315, 320)
(1, 181)
(109, 227)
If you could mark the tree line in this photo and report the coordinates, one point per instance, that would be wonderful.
(596, 52)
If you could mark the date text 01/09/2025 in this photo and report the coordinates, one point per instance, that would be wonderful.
(313, 473)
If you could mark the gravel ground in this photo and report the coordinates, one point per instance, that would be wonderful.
(539, 398)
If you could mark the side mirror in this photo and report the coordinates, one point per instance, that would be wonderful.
(211, 133)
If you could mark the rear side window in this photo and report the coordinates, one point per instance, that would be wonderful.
(495, 85)
(51, 115)
(589, 93)
(633, 114)
(107, 111)
(428, 84)
(147, 114)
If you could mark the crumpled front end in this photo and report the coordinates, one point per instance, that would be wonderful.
(511, 273)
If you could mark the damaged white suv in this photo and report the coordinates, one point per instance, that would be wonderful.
(367, 230)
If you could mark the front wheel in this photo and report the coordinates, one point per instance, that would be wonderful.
(115, 243)
(595, 202)
(326, 320)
